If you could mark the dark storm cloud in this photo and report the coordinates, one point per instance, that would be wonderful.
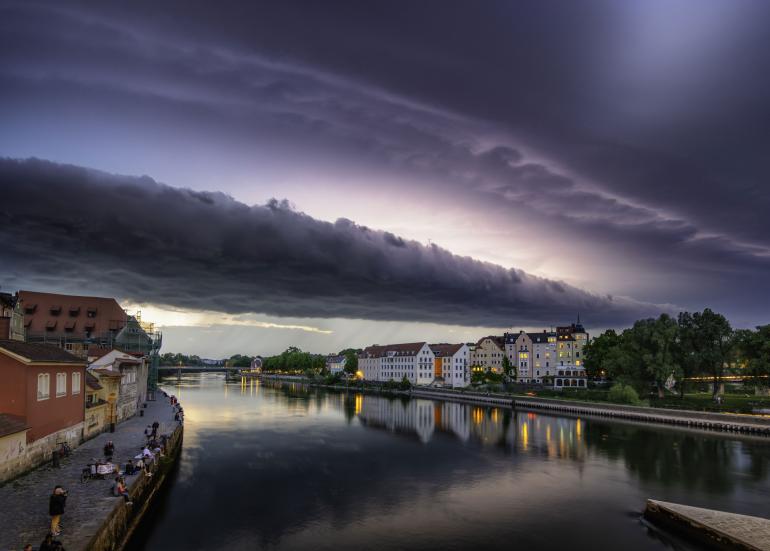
(153, 243)
(639, 129)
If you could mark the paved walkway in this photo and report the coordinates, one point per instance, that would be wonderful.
(24, 502)
(746, 531)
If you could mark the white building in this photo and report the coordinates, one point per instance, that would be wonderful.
(133, 380)
(452, 364)
(336, 364)
(393, 362)
(533, 355)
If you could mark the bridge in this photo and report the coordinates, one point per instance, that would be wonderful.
(179, 369)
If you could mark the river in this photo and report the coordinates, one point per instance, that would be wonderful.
(269, 466)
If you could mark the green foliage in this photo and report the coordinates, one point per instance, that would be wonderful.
(753, 351)
(404, 384)
(170, 358)
(623, 394)
(654, 352)
(295, 360)
(486, 377)
(509, 369)
(351, 360)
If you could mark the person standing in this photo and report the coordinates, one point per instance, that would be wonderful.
(56, 508)
(155, 426)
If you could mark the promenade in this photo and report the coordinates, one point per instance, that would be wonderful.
(24, 501)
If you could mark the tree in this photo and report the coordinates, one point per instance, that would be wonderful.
(688, 350)
(753, 353)
(661, 355)
(714, 344)
(597, 357)
(351, 360)
(509, 369)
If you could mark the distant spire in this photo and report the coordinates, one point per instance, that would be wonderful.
(578, 320)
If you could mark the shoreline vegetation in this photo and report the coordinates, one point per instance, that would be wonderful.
(700, 402)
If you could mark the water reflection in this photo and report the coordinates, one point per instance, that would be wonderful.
(293, 467)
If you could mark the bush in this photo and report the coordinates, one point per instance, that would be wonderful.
(623, 394)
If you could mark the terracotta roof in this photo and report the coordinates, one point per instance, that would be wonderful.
(38, 352)
(443, 349)
(96, 314)
(92, 382)
(10, 424)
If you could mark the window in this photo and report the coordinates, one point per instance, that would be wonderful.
(76, 383)
(61, 384)
(43, 386)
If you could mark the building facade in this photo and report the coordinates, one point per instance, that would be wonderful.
(488, 354)
(451, 364)
(11, 317)
(393, 362)
(42, 387)
(132, 392)
(335, 364)
(532, 354)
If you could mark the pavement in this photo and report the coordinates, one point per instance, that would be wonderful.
(24, 501)
(742, 531)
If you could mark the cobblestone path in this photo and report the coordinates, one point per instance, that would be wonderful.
(24, 501)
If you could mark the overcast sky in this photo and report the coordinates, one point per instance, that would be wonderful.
(327, 174)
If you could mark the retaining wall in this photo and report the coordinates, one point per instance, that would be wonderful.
(115, 531)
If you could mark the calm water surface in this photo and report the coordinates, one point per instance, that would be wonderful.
(266, 467)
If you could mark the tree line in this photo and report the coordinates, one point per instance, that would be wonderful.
(661, 352)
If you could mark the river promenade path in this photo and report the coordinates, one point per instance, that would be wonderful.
(24, 501)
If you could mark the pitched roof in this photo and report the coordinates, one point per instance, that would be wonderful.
(403, 349)
(95, 315)
(39, 352)
(10, 424)
(443, 349)
(97, 352)
(499, 341)
(335, 359)
(540, 337)
(92, 382)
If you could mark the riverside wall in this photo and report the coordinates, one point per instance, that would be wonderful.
(728, 422)
(115, 532)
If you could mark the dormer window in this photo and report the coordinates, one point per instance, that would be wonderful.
(30, 308)
(91, 312)
(74, 311)
(69, 325)
(55, 310)
(50, 325)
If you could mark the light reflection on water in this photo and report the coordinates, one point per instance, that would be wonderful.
(299, 468)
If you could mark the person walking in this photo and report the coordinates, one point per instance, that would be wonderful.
(109, 450)
(56, 508)
(155, 426)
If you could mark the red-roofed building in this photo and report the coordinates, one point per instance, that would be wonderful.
(43, 386)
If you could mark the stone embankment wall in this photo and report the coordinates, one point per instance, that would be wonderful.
(115, 531)
(750, 424)
(18, 457)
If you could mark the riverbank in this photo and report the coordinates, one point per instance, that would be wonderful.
(94, 520)
(743, 423)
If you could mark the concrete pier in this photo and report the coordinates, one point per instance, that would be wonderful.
(716, 529)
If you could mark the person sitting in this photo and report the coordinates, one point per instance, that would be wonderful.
(130, 467)
(120, 489)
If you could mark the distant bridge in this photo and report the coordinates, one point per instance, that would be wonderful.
(176, 369)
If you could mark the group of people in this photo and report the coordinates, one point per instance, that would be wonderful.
(154, 446)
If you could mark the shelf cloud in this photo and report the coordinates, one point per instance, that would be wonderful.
(145, 241)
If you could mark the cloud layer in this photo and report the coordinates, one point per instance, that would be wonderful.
(149, 242)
